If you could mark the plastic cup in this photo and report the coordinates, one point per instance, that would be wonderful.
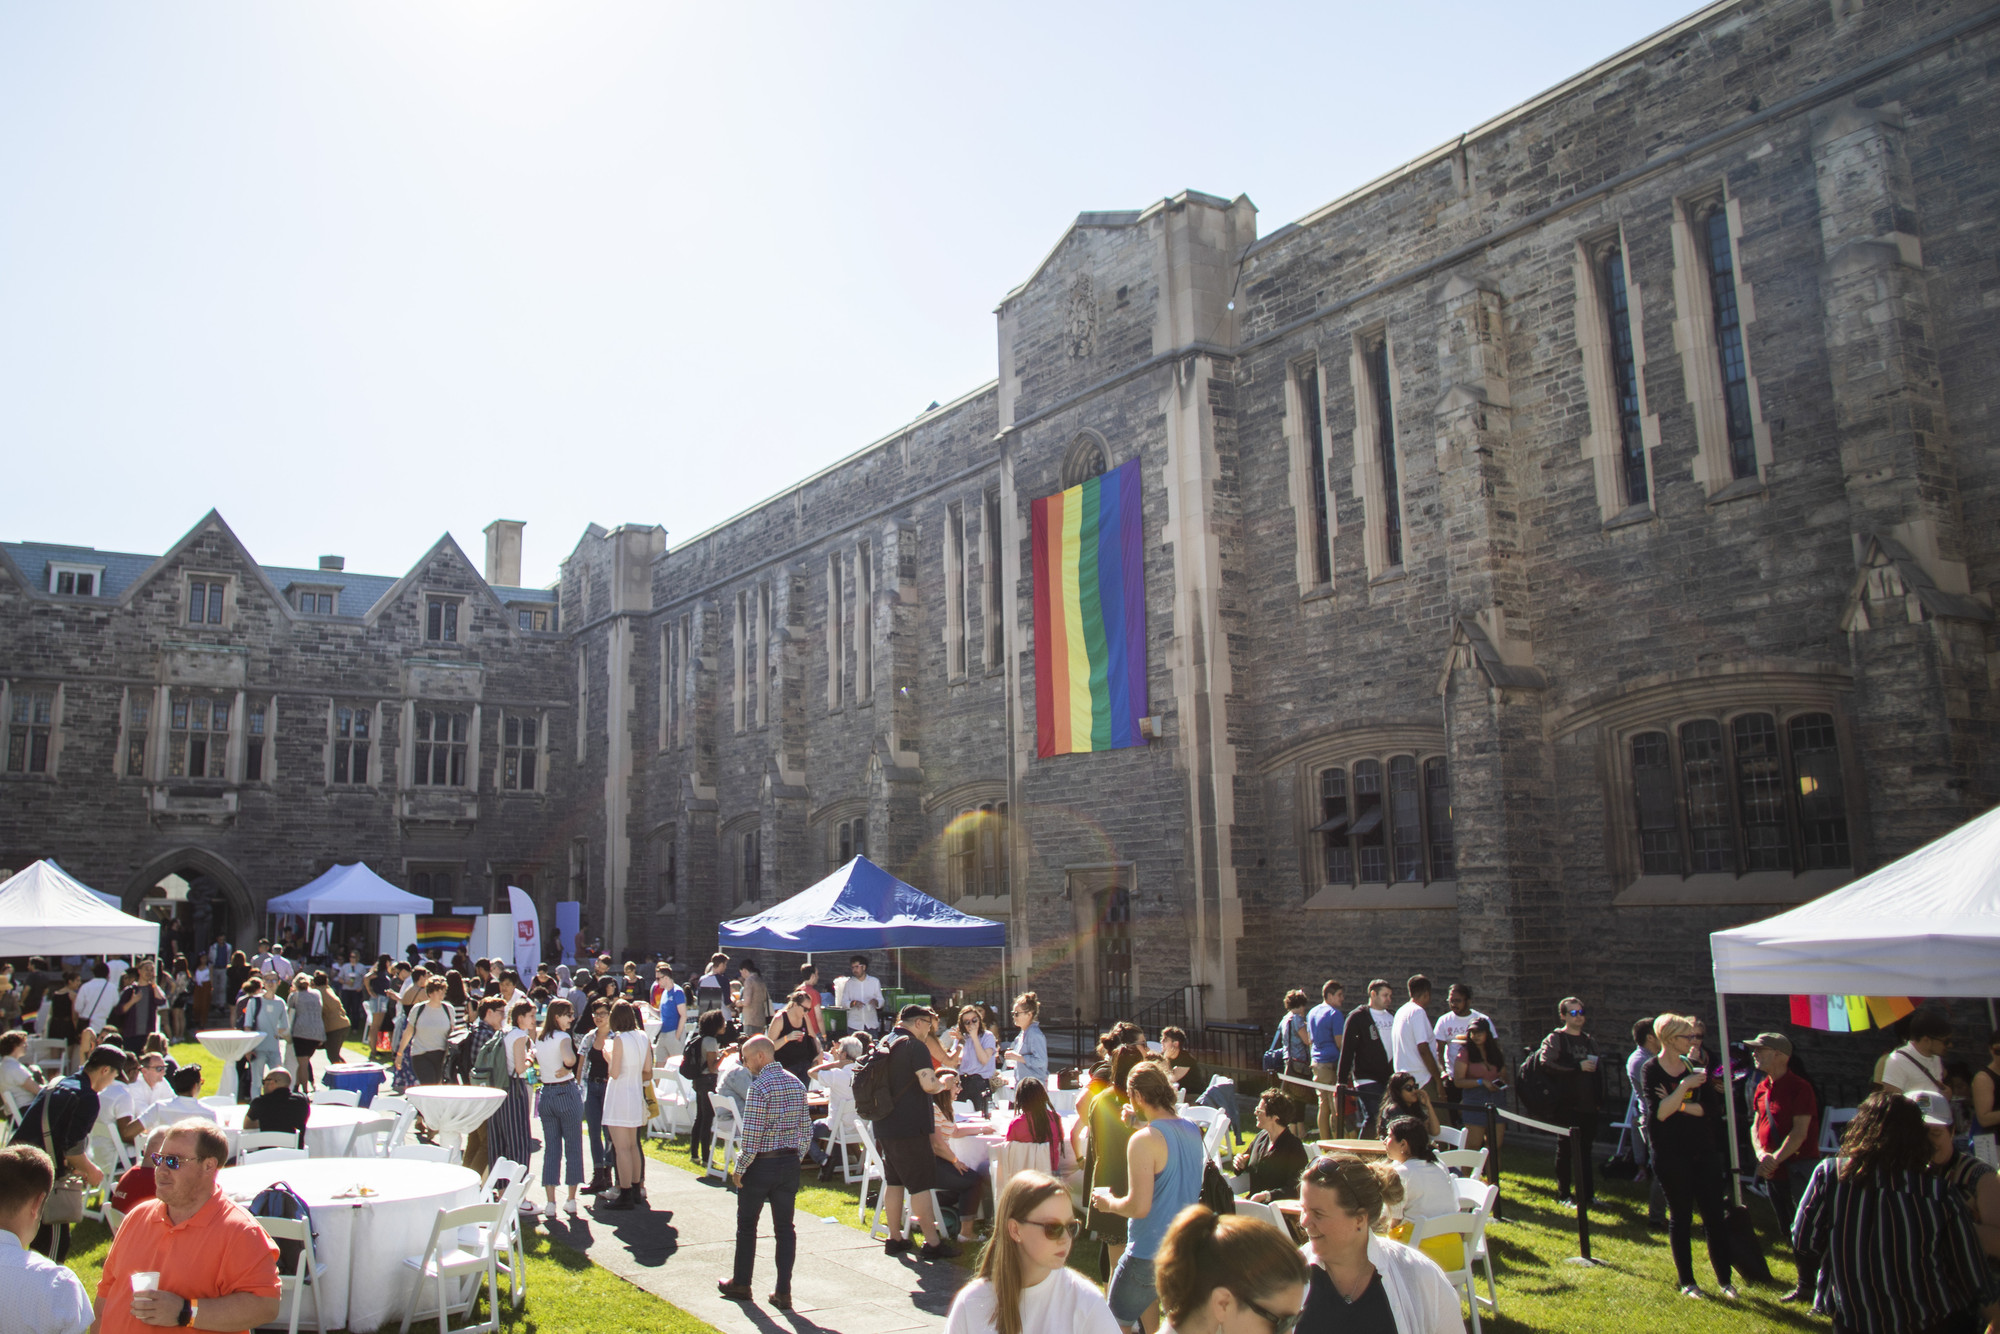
(146, 1280)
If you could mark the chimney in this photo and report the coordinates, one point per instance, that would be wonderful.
(334, 563)
(503, 552)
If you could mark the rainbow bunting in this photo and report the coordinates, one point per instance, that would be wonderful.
(444, 932)
(1849, 1014)
(1090, 615)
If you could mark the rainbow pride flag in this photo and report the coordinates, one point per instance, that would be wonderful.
(1849, 1014)
(444, 933)
(1090, 615)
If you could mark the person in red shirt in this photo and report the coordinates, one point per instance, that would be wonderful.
(1786, 1136)
(218, 1270)
(136, 1186)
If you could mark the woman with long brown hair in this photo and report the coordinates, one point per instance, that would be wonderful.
(1404, 1096)
(1035, 1122)
(1025, 1285)
(1228, 1276)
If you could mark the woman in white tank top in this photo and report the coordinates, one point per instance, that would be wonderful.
(560, 1105)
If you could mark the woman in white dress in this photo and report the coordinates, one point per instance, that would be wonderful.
(631, 1058)
(1025, 1285)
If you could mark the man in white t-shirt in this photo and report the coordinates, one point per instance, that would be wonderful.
(95, 998)
(860, 994)
(1918, 1065)
(1452, 1025)
(1414, 1048)
(280, 964)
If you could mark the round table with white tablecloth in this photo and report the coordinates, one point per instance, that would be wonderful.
(454, 1111)
(330, 1127)
(229, 1045)
(363, 1239)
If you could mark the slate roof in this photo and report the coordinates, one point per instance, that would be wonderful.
(358, 592)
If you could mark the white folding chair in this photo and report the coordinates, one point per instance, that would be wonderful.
(249, 1141)
(1472, 1162)
(293, 1288)
(421, 1153)
(399, 1131)
(1262, 1212)
(334, 1098)
(1215, 1144)
(1831, 1127)
(389, 1103)
(13, 1109)
(875, 1217)
(1451, 1135)
(369, 1137)
(1010, 1158)
(446, 1260)
(112, 1217)
(722, 1136)
(1467, 1227)
(842, 1136)
(1205, 1117)
(51, 1054)
(1477, 1197)
(508, 1257)
(272, 1156)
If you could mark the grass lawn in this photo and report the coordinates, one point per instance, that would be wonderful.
(1631, 1290)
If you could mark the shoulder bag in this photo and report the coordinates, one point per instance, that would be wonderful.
(65, 1202)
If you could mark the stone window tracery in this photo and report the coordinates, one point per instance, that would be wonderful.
(1384, 820)
(440, 747)
(198, 736)
(976, 850)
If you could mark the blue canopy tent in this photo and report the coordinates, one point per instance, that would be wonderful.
(861, 906)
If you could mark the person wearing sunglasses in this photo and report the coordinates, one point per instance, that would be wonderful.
(1361, 1279)
(1025, 1285)
(1234, 1275)
(1571, 1055)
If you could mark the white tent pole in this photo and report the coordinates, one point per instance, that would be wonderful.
(899, 970)
(1728, 1096)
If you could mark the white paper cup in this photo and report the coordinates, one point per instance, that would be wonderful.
(146, 1280)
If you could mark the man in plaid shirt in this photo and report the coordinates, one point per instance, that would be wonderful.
(776, 1133)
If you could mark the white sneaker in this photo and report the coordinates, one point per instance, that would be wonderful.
(530, 1207)
(569, 1206)
(550, 1212)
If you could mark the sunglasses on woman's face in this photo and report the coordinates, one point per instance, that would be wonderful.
(1280, 1324)
(1055, 1231)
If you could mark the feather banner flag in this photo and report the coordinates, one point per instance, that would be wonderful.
(1090, 615)
(1849, 1014)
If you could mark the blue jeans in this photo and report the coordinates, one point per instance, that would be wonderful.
(561, 1108)
(1132, 1288)
(774, 1179)
(593, 1117)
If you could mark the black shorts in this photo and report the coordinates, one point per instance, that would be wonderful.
(909, 1163)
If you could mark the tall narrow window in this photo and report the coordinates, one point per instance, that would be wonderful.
(1822, 794)
(1653, 785)
(669, 665)
(1385, 441)
(992, 611)
(752, 864)
(440, 746)
(864, 622)
(1336, 846)
(29, 730)
(1371, 854)
(519, 751)
(582, 703)
(740, 652)
(205, 598)
(954, 592)
(686, 679)
(1760, 793)
(1625, 378)
(441, 621)
(1705, 775)
(352, 724)
(836, 640)
(198, 743)
(1315, 435)
(256, 738)
(670, 872)
(138, 721)
(1729, 344)
(1406, 835)
(1437, 799)
(761, 653)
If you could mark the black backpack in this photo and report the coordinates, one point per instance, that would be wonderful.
(1536, 1085)
(693, 1067)
(461, 1047)
(874, 1099)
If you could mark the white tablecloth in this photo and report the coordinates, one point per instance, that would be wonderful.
(975, 1151)
(363, 1241)
(229, 1045)
(329, 1129)
(455, 1110)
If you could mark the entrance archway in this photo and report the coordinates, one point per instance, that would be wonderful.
(218, 901)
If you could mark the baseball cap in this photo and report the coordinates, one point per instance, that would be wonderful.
(1934, 1105)
(1777, 1042)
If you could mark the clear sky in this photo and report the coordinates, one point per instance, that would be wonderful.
(357, 274)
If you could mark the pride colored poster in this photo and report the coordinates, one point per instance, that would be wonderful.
(1088, 553)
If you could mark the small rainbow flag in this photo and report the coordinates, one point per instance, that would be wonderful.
(443, 933)
(1849, 1014)
(1090, 615)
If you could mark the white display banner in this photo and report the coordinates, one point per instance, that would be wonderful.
(527, 932)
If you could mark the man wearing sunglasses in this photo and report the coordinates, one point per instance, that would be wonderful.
(1571, 1055)
(211, 1266)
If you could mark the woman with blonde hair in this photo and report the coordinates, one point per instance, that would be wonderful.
(1228, 1276)
(1025, 1285)
(1682, 1105)
(1359, 1278)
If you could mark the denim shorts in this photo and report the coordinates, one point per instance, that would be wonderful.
(1132, 1289)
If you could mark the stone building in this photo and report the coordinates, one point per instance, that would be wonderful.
(1564, 546)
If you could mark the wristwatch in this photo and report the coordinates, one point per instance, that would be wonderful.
(187, 1312)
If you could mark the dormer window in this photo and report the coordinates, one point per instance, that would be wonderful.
(313, 602)
(206, 598)
(76, 581)
(441, 621)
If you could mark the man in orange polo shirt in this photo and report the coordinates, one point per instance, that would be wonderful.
(218, 1270)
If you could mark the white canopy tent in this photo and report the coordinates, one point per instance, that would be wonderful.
(45, 910)
(346, 889)
(1927, 925)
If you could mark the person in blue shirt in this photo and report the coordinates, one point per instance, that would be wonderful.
(671, 1001)
(1327, 1022)
(1029, 1056)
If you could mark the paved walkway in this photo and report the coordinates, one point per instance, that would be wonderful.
(842, 1282)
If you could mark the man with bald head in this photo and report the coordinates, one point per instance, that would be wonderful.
(776, 1133)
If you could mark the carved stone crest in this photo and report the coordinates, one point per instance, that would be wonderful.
(1080, 332)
